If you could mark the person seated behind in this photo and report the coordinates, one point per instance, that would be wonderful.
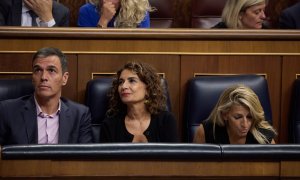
(290, 17)
(115, 13)
(243, 14)
(44, 117)
(237, 118)
(46, 13)
(137, 108)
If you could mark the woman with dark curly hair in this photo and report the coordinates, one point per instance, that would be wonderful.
(137, 109)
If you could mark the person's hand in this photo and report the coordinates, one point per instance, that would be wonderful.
(140, 139)
(108, 10)
(42, 8)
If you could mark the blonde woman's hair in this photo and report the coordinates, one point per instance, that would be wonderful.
(244, 96)
(132, 12)
(232, 10)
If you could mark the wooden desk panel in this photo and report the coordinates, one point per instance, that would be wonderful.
(290, 169)
(143, 168)
(159, 160)
(290, 70)
(131, 41)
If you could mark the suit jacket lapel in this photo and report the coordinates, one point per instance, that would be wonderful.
(65, 124)
(16, 14)
(30, 118)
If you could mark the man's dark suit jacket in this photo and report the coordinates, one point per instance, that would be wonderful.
(18, 122)
(11, 12)
(290, 17)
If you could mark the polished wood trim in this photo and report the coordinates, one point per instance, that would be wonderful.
(160, 53)
(151, 41)
(137, 46)
(14, 73)
(110, 74)
(94, 75)
(265, 75)
(138, 33)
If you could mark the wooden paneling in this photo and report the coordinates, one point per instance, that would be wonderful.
(11, 62)
(290, 68)
(70, 91)
(144, 168)
(290, 169)
(153, 41)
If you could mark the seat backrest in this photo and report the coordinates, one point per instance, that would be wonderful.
(206, 13)
(203, 93)
(96, 98)
(163, 17)
(14, 88)
(294, 117)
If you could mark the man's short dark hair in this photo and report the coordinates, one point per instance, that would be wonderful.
(50, 51)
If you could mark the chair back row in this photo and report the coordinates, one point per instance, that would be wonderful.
(204, 13)
(202, 94)
(14, 88)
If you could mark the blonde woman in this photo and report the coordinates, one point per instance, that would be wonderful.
(237, 118)
(115, 13)
(243, 14)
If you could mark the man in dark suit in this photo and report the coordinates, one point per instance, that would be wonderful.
(290, 17)
(44, 13)
(44, 117)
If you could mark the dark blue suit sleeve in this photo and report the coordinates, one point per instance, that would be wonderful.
(3, 12)
(61, 15)
(85, 130)
(286, 21)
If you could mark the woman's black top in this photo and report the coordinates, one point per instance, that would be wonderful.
(221, 135)
(162, 128)
(220, 25)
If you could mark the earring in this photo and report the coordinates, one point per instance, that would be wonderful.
(146, 101)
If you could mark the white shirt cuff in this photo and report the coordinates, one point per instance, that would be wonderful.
(50, 23)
